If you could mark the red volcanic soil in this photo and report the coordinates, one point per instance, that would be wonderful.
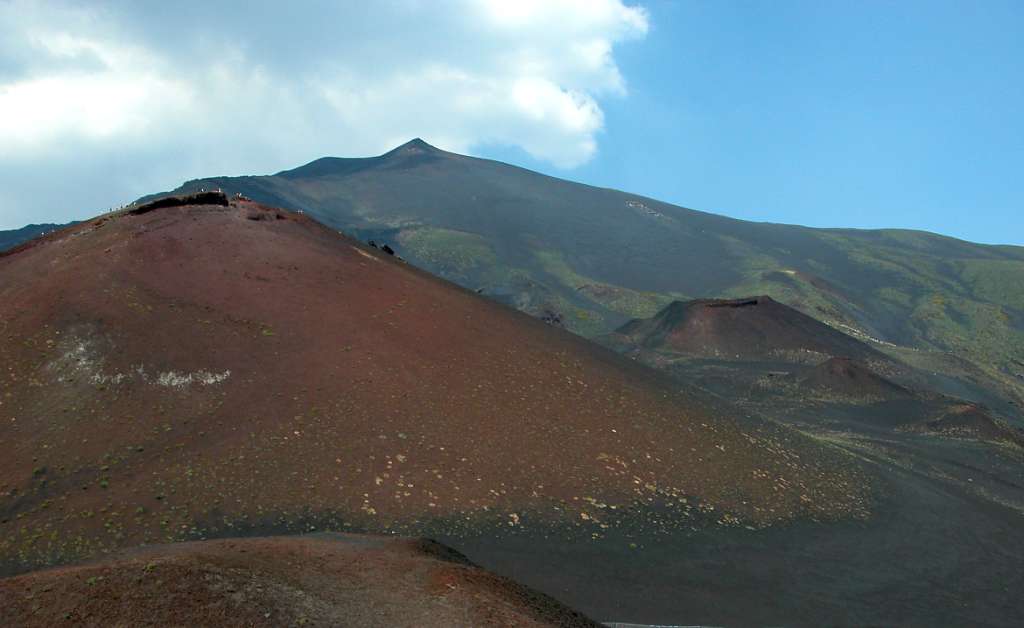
(324, 580)
(850, 378)
(207, 370)
(750, 328)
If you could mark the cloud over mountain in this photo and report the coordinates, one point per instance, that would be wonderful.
(159, 92)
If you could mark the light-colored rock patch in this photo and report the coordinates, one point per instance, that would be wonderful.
(174, 379)
(81, 360)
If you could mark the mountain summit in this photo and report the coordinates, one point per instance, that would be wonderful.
(595, 258)
(209, 366)
(415, 145)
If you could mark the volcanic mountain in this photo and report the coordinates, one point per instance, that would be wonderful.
(851, 379)
(753, 328)
(971, 421)
(598, 257)
(318, 580)
(593, 258)
(200, 367)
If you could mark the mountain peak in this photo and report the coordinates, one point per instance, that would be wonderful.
(343, 166)
(413, 147)
(757, 327)
(418, 142)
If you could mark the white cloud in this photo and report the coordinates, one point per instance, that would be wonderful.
(151, 93)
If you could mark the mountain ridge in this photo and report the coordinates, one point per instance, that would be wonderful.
(204, 367)
(598, 257)
(420, 144)
(187, 371)
(594, 258)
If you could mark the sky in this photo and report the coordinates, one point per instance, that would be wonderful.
(832, 114)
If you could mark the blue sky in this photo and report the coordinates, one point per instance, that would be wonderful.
(867, 114)
(856, 114)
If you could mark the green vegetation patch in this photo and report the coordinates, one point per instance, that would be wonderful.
(999, 281)
(452, 253)
(625, 301)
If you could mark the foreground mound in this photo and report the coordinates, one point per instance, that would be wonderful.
(325, 580)
(210, 370)
(754, 328)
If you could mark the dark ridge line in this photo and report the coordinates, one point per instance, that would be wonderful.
(739, 303)
(199, 198)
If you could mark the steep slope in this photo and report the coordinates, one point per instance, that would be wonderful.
(598, 257)
(194, 371)
(751, 328)
(321, 580)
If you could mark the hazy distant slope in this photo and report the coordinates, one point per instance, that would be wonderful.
(599, 257)
(14, 237)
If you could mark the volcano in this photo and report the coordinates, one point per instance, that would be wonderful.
(753, 328)
(970, 421)
(598, 257)
(851, 379)
(205, 367)
(591, 259)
